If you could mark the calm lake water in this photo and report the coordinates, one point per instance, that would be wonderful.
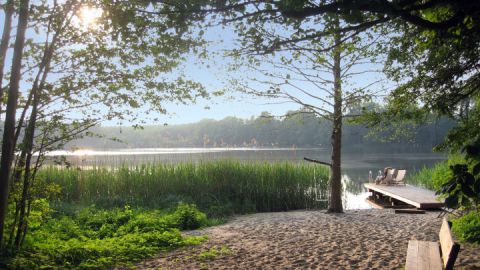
(355, 167)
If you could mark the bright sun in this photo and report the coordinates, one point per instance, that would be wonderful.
(89, 15)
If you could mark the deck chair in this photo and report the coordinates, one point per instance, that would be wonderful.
(400, 178)
(389, 177)
(391, 172)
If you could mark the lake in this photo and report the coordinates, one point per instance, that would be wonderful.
(355, 167)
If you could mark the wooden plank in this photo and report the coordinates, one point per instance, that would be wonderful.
(423, 261)
(412, 252)
(423, 255)
(448, 246)
(409, 211)
(418, 197)
(379, 205)
(435, 262)
(374, 204)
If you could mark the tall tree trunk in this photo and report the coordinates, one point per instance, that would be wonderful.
(7, 27)
(336, 169)
(8, 145)
(28, 142)
(28, 149)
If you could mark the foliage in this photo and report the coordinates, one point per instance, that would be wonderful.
(467, 227)
(78, 72)
(216, 187)
(434, 177)
(187, 217)
(298, 129)
(463, 188)
(213, 253)
(93, 238)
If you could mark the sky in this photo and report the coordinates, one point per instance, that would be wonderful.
(213, 78)
(214, 75)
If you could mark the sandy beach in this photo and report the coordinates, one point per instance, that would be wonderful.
(357, 239)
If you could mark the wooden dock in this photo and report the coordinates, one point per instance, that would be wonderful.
(415, 196)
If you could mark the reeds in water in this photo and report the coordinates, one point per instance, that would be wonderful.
(214, 185)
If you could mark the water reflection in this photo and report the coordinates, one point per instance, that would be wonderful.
(354, 196)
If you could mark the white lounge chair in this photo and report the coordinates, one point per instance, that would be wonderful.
(400, 178)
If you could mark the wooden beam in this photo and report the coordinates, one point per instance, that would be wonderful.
(317, 161)
(409, 211)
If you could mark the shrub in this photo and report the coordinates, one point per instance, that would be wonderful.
(433, 178)
(467, 227)
(102, 239)
(188, 217)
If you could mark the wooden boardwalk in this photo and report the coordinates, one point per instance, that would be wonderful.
(415, 196)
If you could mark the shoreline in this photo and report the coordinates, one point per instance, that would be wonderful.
(357, 239)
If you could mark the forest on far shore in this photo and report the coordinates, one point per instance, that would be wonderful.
(297, 130)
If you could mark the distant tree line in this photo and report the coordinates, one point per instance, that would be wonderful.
(295, 130)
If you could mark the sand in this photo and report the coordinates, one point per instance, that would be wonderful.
(357, 239)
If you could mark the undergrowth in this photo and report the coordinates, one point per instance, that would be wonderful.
(93, 238)
(467, 227)
(433, 177)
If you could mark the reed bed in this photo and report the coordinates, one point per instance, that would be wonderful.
(433, 177)
(215, 186)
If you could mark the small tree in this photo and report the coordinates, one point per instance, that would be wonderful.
(81, 75)
(323, 76)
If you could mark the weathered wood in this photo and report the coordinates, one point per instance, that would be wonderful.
(418, 197)
(317, 161)
(450, 249)
(423, 255)
(426, 255)
(423, 261)
(374, 204)
(378, 204)
(409, 211)
(434, 255)
(412, 253)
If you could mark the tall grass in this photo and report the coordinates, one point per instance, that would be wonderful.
(433, 177)
(215, 186)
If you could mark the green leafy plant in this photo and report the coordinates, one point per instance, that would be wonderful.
(463, 188)
(467, 227)
(94, 238)
(188, 217)
(214, 252)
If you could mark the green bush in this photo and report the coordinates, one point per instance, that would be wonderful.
(467, 227)
(188, 217)
(102, 239)
(433, 178)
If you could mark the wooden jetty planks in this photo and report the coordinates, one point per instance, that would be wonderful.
(418, 197)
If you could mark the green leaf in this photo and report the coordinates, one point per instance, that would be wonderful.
(476, 169)
(451, 201)
(476, 186)
(467, 190)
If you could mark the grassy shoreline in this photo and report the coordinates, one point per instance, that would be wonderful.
(101, 218)
(220, 187)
